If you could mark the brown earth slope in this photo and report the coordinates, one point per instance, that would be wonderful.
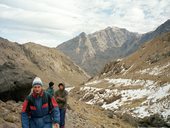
(19, 63)
(151, 61)
(48, 63)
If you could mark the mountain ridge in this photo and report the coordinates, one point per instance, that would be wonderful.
(135, 88)
(92, 51)
(30, 60)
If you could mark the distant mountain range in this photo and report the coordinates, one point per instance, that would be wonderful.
(135, 88)
(91, 52)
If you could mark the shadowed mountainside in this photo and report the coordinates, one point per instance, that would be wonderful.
(19, 64)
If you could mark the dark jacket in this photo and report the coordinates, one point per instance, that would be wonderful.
(40, 111)
(50, 91)
(61, 98)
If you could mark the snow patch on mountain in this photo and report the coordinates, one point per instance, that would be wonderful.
(68, 89)
(93, 82)
(154, 97)
(157, 70)
(157, 102)
(127, 82)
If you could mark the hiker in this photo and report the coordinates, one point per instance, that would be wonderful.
(61, 98)
(50, 89)
(39, 110)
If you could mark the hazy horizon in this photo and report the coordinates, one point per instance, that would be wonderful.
(51, 23)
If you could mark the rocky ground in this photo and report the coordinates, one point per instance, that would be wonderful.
(139, 102)
(79, 115)
(82, 115)
(10, 114)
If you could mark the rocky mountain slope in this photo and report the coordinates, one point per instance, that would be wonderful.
(91, 52)
(135, 88)
(19, 64)
(151, 61)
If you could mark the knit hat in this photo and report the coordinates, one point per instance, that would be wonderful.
(37, 81)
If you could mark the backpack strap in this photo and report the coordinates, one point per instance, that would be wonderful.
(30, 102)
(50, 102)
(47, 99)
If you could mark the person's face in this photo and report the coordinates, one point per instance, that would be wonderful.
(61, 87)
(37, 89)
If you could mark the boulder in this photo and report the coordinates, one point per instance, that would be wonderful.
(130, 119)
(153, 121)
(109, 113)
(15, 83)
(111, 99)
(150, 121)
(88, 97)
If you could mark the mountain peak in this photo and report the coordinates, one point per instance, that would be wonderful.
(108, 28)
(84, 48)
(168, 21)
(3, 39)
(165, 24)
(83, 34)
(107, 44)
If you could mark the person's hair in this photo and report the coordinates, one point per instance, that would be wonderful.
(51, 84)
(60, 84)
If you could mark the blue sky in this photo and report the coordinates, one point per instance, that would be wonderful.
(51, 22)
